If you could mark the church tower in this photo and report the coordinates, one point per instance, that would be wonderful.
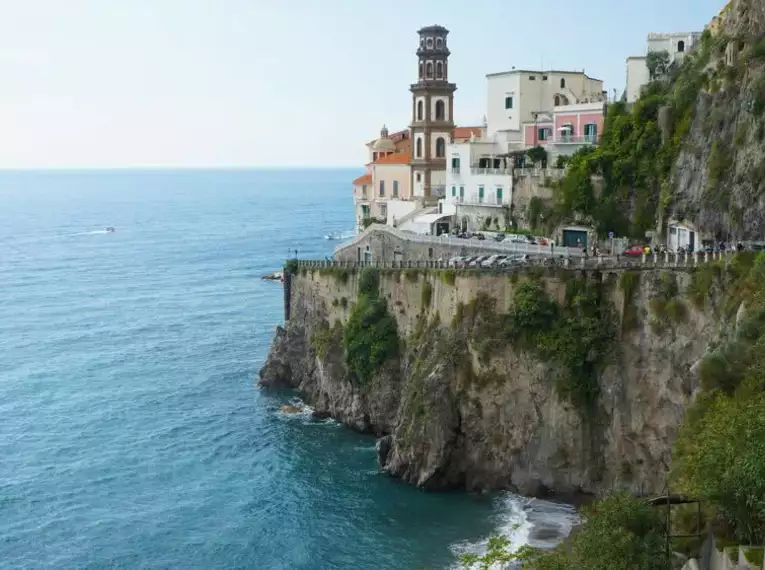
(432, 114)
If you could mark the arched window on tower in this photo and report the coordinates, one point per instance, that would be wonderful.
(439, 43)
(419, 110)
(440, 113)
(681, 46)
(429, 70)
(421, 71)
(418, 150)
(439, 70)
(556, 101)
(440, 147)
(562, 82)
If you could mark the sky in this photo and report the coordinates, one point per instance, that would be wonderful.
(240, 83)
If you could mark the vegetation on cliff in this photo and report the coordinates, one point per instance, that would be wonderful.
(720, 454)
(370, 336)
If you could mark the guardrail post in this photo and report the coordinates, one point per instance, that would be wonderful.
(643, 258)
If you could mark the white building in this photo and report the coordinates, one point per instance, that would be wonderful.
(479, 185)
(676, 44)
(516, 97)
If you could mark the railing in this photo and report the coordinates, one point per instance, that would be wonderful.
(478, 170)
(478, 201)
(554, 173)
(455, 169)
(574, 263)
(575, 139)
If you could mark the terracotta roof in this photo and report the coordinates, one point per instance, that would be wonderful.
(366, 179)
(395, 158)
(465, 132)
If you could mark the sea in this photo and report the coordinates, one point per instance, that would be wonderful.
(132, 432)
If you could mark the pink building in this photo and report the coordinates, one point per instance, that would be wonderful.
(567, 128)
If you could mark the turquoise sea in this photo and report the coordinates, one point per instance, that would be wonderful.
(132, 434)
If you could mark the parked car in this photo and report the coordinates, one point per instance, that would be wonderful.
(455, 261)
(513, 260)
(477, 261)
(492, 261)
(499, 237)
(466, 261)
(634, 251)
(479, 237)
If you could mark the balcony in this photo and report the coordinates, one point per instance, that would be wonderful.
(475, 200)
(575, 139)
(501, 171)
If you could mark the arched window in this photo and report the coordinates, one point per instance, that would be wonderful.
(440, 114)
(419, 110)
(562, 82)
(439, 70)
(418, 153)
(429, 43)
(421, 70)
(681, 46)
(439, 43)
(429, 70)
(556, 101)
(440, 147)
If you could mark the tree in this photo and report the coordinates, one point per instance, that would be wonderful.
(657, 63)
(537, 155)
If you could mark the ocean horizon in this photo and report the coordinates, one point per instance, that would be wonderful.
(131, 429)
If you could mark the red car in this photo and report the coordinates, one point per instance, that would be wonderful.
(635, 251)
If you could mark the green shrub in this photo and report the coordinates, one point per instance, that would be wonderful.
(291, 266)
(369, 282)
(335, 302)
(370, 338)
(754, 555)
(448, 276)
(412, 275)
(427, 294)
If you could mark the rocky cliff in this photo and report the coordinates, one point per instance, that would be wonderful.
(468, 400)
(719, 175)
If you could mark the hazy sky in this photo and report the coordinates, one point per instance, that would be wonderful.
(293, 82)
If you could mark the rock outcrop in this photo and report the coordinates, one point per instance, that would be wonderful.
(450, 417)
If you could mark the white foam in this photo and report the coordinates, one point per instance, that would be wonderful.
(92, 233)
(513, 524)
(304, 414)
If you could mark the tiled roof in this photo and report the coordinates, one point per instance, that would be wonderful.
(366, 179)
(465, 132)
(395, 158)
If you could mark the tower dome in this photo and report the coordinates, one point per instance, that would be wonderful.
(384, 143)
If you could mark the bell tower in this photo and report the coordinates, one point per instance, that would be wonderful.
(432, 124)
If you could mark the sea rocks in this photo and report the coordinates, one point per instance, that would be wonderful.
(383, 447)
(320, 415)
(286, 351)
(276, 276)
(290, 409)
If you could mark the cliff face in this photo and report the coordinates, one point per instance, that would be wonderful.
(719, 176)
(458, 408)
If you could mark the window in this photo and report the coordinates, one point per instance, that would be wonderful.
(480, 194)
(439, 70)
(418, 177)
(499, 194)
(462, 193)
(420, 70)
(532, 77)
(681, 46)
(562, 82)
(440, 113)
(429, 43)
(384, 211)
(395, 188)
(454, 191)
(420, 108)
(382, 187)
(440, 147)
(455, 164)
(364, 190)
(544, 78)
(430, 253)
(591, 132)
(419, 150)
(439, 43)
(429, 70)
(543, 134)
(509, 102)
(556, 101)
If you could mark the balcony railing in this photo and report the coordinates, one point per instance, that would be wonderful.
(481, 170)
(478, 201)
(576, 139)
(455, 169)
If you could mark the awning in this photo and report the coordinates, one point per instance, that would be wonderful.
(430, 218)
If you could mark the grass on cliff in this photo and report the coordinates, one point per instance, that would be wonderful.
(576, 336)
(719, 455)
(370, 337)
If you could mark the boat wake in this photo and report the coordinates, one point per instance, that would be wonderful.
(340, 235)
(92, 233)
